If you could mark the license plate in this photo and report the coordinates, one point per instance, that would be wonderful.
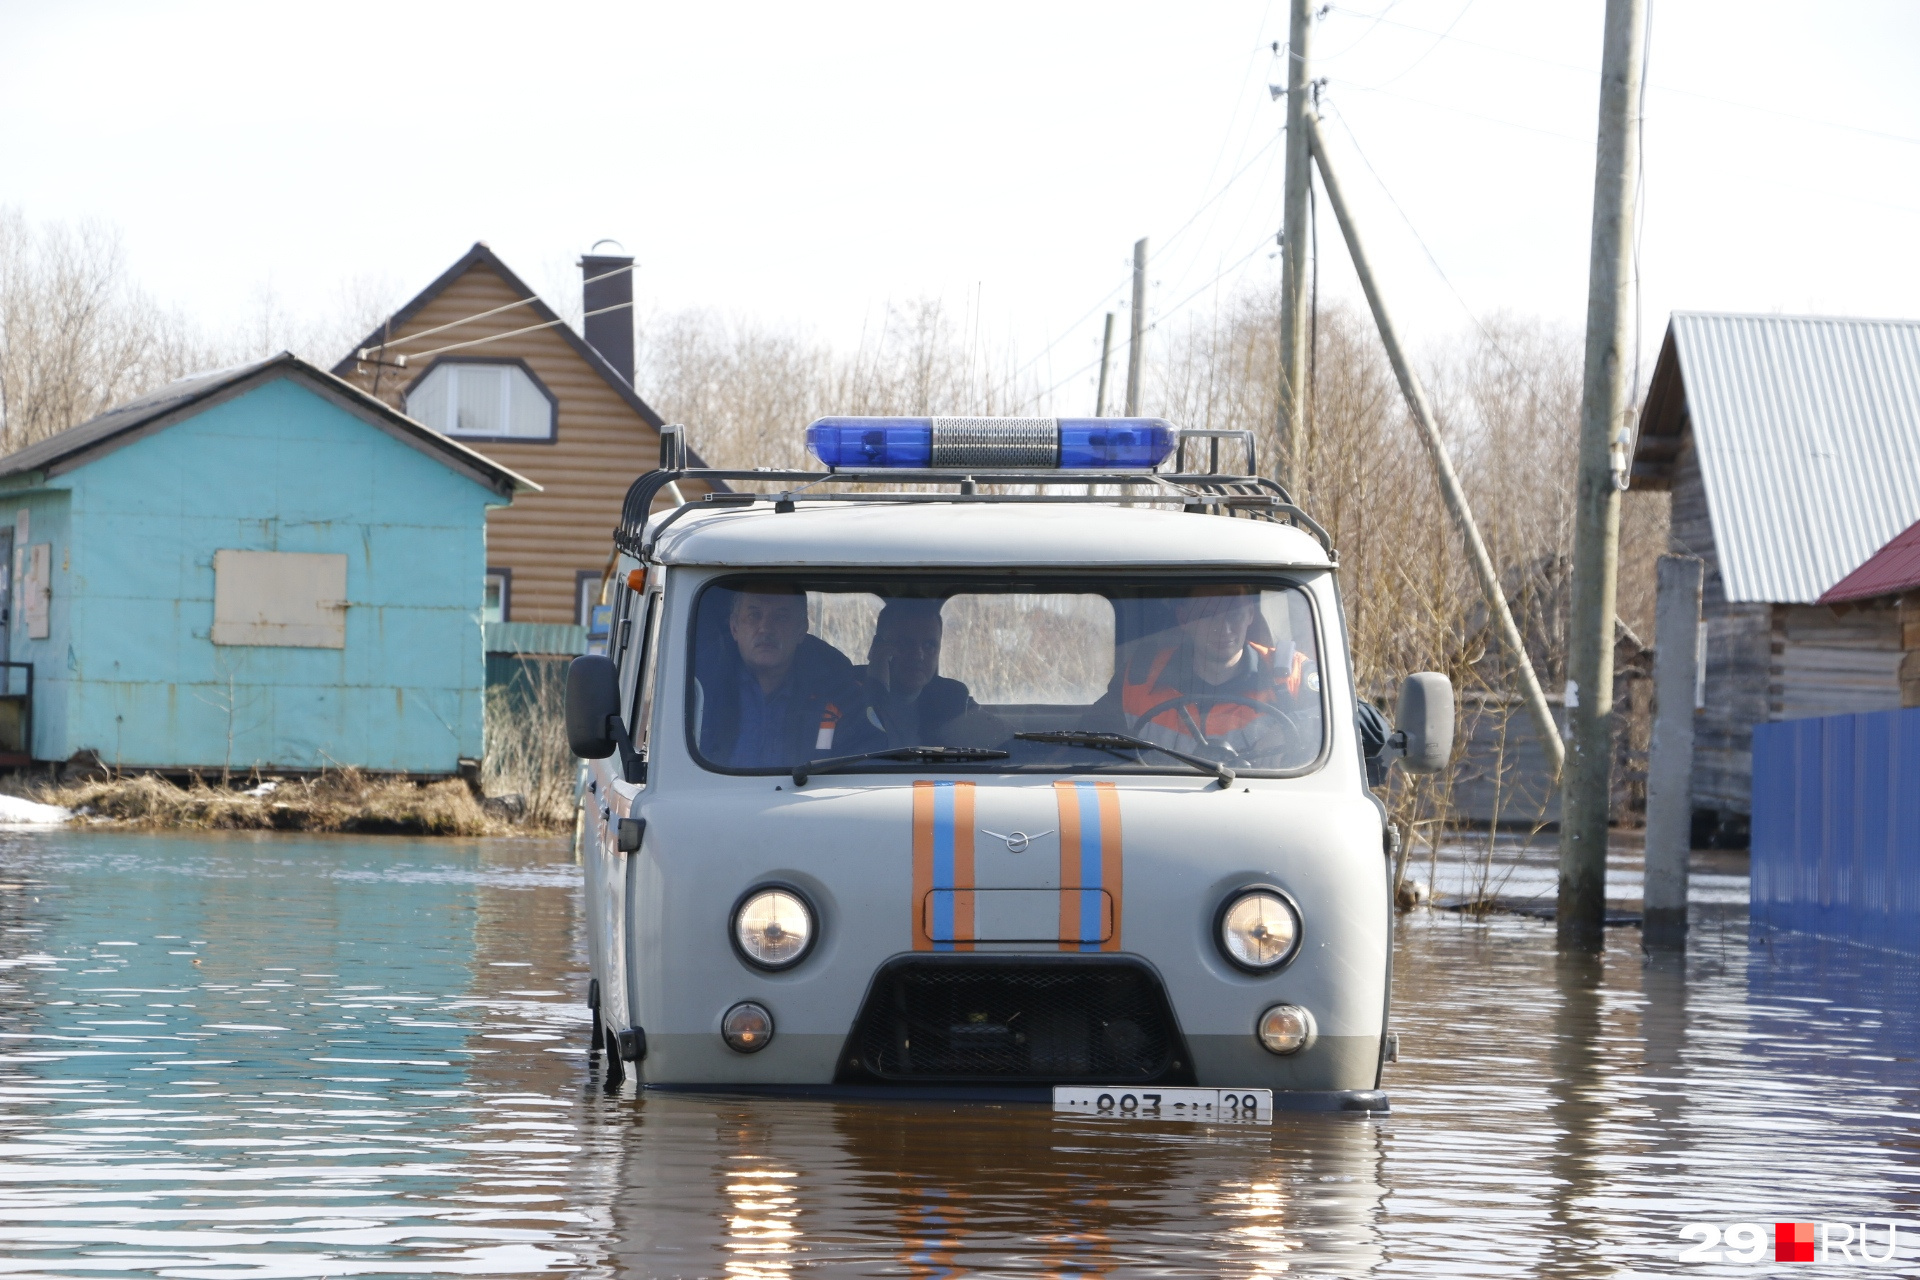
(1240, 1106)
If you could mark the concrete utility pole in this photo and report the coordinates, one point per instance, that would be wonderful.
(1456, 497)
(1106, 356)
(1670, 762)
(1604, 406)
(1137, 341)
(1292, 425)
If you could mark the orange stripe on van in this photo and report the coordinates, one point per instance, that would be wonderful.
(943, 886)
(922, 863)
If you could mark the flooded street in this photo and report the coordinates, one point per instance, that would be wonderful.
(285, 1057)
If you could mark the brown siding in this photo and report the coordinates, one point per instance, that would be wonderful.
(1739, 640)
(1910, 649)
(1834, 661)
(545, 538)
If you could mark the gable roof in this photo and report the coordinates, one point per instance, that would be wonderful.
(1807, 432)
(79, 445)
(481, 255)
(1894, 567)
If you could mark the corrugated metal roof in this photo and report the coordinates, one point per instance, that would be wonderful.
(1808, 433)
(1894, 567)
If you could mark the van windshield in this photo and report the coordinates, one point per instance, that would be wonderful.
(790, 670)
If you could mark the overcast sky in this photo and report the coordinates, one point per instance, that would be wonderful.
(810, 164)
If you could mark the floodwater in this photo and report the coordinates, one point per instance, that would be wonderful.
(287, 1057)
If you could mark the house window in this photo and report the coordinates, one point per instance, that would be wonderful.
(498, 600)
(483, 400)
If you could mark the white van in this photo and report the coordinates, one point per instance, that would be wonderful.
(995, 756)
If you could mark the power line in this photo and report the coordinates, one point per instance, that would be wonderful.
(1105, 299)
(482, 315)
(1418, 239)
(1886, 135)
(513, 333)
(1442, 106)
(1168, 314)
(1439, 39)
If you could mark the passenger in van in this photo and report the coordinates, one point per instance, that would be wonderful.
(1189, 687)
(917, 705)
(790, 698)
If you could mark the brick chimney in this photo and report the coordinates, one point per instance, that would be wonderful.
(611, 332)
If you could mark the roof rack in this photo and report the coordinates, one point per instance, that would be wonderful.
(1209, 492)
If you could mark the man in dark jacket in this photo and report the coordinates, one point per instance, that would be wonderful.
(918, 706)
(789, 698)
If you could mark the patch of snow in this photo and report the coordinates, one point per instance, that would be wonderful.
(14, 810)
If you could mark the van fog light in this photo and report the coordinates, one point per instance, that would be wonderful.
(1285, 1028)
(773, 928)
(747, 1028)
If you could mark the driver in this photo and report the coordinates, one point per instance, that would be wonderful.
(1192, 688)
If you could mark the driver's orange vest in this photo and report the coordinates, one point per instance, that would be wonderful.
(1137, 697)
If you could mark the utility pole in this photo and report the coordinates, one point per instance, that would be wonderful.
(1137, 341)
(1581, 914)
(1106, 356)
(1292, 425)
(1450, 490)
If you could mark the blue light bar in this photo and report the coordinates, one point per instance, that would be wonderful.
(992, 444)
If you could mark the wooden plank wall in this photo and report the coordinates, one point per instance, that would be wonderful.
(544, 538)
(1739, 653)
(1833, 661)
(1910, 645)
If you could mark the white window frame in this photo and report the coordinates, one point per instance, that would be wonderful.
(449, 372)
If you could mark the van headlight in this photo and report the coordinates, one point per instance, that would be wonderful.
(773, 928)
(1259, 930)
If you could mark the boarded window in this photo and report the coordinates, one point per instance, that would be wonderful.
(285, 598)
(37, 590)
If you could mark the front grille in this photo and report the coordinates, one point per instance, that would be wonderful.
(1032, 1019)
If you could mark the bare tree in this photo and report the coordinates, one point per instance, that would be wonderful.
(76, 337)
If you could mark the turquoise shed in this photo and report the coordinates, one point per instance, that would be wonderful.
(263, 567)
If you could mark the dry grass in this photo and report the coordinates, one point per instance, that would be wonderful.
(526, 746)
(345, 801)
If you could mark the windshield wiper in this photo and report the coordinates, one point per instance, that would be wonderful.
(801, 772)
(1117, 742)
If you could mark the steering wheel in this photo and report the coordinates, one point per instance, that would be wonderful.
(1197, 707)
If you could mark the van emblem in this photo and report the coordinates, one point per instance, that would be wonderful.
(1017, 841)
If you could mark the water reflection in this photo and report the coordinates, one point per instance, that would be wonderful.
(265, 1057)
(947, 1189)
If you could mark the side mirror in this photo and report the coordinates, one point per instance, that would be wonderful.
(593, 706)
(1425, 734)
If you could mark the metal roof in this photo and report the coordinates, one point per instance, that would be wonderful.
(124, 424)
(1894, 567)
(1807, 430)
(959, 536)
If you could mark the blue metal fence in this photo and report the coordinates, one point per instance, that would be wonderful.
(1836, 827)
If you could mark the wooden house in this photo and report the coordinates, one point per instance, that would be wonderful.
(1791, 446)
(478, 356)
(1887, 589)
(257, 568)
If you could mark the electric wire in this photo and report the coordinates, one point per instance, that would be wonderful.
(482, 315)
(1106, 299)
(1886, 135)
(1166, 315)
(1445, 279)
(1439, 39)
(512, 333)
